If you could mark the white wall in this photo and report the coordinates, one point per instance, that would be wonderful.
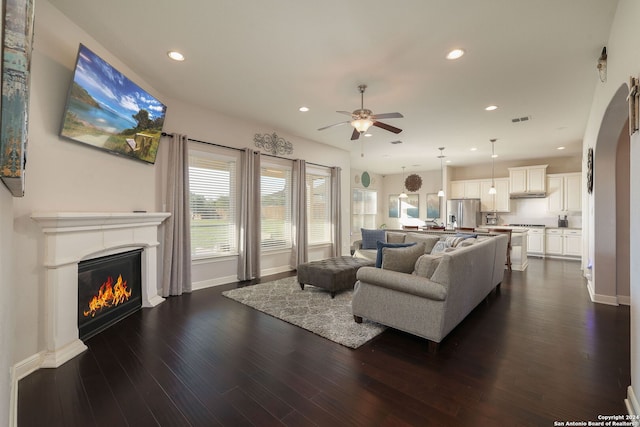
(61, 175)
(623, 61)
(66, 176)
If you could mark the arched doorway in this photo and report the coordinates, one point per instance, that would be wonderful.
(611, 203)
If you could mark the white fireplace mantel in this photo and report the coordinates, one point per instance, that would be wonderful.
(71, 237)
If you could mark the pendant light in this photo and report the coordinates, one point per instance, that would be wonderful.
(492, 190)
(403, 195)
(441, 156)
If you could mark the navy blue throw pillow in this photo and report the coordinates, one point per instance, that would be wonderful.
(388, 245)
(370, 237)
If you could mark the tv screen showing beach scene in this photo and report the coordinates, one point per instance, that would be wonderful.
(108, 111)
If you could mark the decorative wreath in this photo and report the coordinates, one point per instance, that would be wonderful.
(590, 170)
(413, 182)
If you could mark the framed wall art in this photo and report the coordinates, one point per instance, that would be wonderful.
(17, 44)
(404, 208)
(433, 206)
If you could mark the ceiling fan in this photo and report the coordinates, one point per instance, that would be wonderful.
(363, 119)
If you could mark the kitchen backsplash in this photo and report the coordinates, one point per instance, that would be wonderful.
(534, 211)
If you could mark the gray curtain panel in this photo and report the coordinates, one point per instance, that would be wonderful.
(336, 211)
(299, 250)
(249, 242)
(176, 266)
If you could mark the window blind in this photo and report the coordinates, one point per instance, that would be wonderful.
(212, 202)
(318, 208)
(275, 194)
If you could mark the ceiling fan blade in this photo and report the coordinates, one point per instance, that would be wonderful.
(387, 127)
(387, 116)
(333, 125)
(348, 113)
(355, 135)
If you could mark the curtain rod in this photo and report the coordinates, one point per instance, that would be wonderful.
(241, 149)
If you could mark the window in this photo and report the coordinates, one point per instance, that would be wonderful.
(212, 202)
(275, 201)
(364, 209)
(318, 206)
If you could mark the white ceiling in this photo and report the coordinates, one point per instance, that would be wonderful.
(262, 60)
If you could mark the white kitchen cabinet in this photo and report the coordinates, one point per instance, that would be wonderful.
(499, 202)
(487, 201)
(564, 192)
(468, 189)
(503, 201)
(573, 192)
(553, 241)
(563, 242)
(535, 241)
(572, 243)
(456, 190)
(528, 179)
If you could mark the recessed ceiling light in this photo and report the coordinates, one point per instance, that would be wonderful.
(368, 135)
(303, 109)
(494, 155)
(455, 54)
(176, 56)
(447, 161)
(473, 148)
(491, 108)
(561, 148)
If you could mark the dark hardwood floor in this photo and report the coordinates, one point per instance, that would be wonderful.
(537, 352)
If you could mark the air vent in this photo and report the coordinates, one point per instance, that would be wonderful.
(521, 119)
(396, 142)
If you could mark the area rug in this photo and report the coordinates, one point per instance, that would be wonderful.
(312, 309)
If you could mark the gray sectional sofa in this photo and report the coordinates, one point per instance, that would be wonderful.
(437, 295)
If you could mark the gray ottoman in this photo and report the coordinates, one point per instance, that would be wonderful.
(332, 274)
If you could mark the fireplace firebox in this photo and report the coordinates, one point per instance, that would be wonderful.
(109, 289)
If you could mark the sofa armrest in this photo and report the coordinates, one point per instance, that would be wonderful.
(357, 245)
(402, 282)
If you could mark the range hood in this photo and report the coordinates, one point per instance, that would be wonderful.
(528, 195)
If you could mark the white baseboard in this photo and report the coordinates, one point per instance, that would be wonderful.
(624, 300)
(195, 286)
(601, 299)
(632, 406)
(18, 372)
(276, 270)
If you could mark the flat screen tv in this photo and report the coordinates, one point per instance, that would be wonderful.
(108, 111)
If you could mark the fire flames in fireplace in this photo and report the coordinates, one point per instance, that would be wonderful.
(109, 295)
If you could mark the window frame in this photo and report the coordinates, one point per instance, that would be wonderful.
(218, 154)
(324, 173)
(276, 164)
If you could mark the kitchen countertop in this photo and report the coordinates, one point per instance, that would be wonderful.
(506, 227)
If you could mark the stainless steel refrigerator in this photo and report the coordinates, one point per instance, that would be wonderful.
(464, 213)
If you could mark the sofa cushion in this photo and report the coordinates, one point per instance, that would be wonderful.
(428, 240)
(467, 242)
(440, 247)
(395, 237)
(402, 259)
(371, 237)
(426, 265)
(381, 245)
(453, 240)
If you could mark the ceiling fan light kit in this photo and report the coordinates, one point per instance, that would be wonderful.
(362, 119)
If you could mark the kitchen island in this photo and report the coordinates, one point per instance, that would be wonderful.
(519, 261)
